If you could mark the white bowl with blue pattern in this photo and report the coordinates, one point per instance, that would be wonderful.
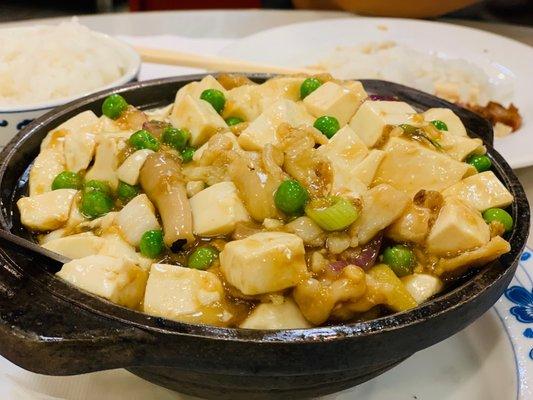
(14, 118)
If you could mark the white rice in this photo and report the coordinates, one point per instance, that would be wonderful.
(52, 62)
(455, 80)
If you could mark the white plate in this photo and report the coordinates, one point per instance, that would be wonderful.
(492, 359)
(306, 43)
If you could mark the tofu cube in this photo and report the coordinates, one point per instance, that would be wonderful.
(79, 150)
(264, 262)
(47, 211)
(197, 116)
(286, 315)
(263, 130)
(217, 209)
(243, 102)
(460, 147)
(84, 122)
(410, 167)
(47, 165)
(76, 246)
(459, 227)
(422, 286)
(185, 294)
(105, 162)
(481, 191)
(345, 151)
(278, 88)
(137, 217)
(200, 151)
(366, 170)
(372, 117)
(195, 89)
(336, 101)
(131, 167)
(116, 279)
(382, 205)
(452, 121)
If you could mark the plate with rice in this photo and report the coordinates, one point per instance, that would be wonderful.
(481, 71)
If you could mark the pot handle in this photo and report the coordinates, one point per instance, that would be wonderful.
(40, 332)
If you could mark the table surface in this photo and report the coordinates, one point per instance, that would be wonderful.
(240, 23)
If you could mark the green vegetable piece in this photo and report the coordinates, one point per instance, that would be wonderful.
(143, 139)
(499, 215)
(152, 244)
(176, 138)
(418, 133)
(480, 162)
(114, 105)
(202, 257)
(291, 197)
(186, 154)
(233, 121)
(127, 192)
(309, 86)
(440, 125)
(67, 180)
(332, 213)
(99, 186)
(95, 203)
(327, 125)
(400, 259)
(214, 97)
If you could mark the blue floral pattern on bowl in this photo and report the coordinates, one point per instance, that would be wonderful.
(524, 300)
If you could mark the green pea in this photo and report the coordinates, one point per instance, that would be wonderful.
(67, 180)
(95, 203)
(480, 162)
(291, 197)
(152, 244)
(99, 186)
(309, 86)
(440, 125)
(499, 215)
(114, 105)
(202, 257)
(327, 125)
(186, 154)
(400, 259)
(175, 137)
(126, 192)
(233, 121)
(214, 97)
(143, 139)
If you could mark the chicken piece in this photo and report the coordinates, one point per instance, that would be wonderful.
(76, 246)
(262, 130)
(382, 205)
(482, 191)
(483, 255)
(372, 117)
(459, 227)
(217, 209)
(185, 294)
(230, 136)
(336, 101)
(198, 117)
(317, 298)
(263, 263)
(47, 211)
(79, 150)
(105, 163)
(411, 226)
(452, 121)
(307, 229)
(137, 217)
(130, 169)
(422, 286)
(163, 183)
(49, 163)
(411, 167)
(286, 315)
(116, 279)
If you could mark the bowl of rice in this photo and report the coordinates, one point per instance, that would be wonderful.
(42, 67)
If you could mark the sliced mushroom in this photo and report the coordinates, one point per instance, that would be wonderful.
(162, 181)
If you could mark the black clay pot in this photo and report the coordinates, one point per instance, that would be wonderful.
(50, 327)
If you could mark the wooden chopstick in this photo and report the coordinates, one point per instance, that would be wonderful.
(214, 63)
